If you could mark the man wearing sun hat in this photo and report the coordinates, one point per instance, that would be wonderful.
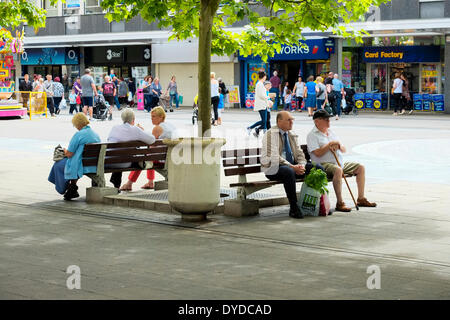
(321, 141)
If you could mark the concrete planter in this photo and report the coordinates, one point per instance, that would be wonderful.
(194, 175)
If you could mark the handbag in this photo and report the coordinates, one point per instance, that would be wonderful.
(58, 154)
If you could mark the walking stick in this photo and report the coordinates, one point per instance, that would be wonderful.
(343, 174)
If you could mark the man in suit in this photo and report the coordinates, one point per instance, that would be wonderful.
(26, 86)
(282, 159)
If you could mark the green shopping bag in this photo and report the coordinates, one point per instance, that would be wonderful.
(180, 99)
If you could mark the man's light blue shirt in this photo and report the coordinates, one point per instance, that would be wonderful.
(337, 85)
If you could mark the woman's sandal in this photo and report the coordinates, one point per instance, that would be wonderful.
(148, 186)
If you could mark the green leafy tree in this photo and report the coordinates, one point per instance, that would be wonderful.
(276, 22)
(16, 12)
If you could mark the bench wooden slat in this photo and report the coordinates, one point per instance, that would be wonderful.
(125, 159)
(151, 150)
(242, 170)
(241, 161)
(241, 152)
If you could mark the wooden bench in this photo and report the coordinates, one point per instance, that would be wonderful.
(242, 162)
(106, 155)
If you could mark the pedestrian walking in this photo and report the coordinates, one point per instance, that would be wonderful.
(285, 89)
(109, 90)
(156, 89)
(309, 95)
(123, 92)
(276, 88)
(58, 94)
(220, 107)
(132, 90)
(78, 92)
(73, 101)
(397, 90)
(89, 91)
(48, 88)
(26, 86)
(288, 100)
(223, 89)
(215, 99)
(339, 93)
(261, 105)
(172, 90)
(116, 96)
(299, 89)
(406, 96)
(321, 93)
(146, 85)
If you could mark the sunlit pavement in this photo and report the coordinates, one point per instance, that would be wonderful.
(151, 256)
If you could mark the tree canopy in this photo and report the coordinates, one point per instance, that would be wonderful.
(268, 23)
(265, 26)
(17, 12)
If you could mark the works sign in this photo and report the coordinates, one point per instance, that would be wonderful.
(305, 50)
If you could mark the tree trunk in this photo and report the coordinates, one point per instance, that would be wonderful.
(208, 9)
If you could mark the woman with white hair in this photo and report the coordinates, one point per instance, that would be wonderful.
(127, 131)
(161, 130)
(66, 172)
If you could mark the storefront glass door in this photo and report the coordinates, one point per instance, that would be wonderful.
(379, 77)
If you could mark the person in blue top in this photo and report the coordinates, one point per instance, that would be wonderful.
(309, 95)
(220, 107)
(338, 89)
(66, 172)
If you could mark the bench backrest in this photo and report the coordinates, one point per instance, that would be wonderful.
(247, 161)
(124, 152)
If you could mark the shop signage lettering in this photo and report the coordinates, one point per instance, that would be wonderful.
(294, 50)
(114, 54)
(315, 49)
(383, 54)
(400, 54)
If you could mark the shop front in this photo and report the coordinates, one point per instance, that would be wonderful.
(421, 66)
(127, 62)
(309, 57)
(58, 62)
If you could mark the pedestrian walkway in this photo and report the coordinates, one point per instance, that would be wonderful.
(132, 253)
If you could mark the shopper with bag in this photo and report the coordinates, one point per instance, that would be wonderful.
(321, 143)
(283, 160)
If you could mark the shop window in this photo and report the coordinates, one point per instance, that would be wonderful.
(52, 11)
(93, 7)
(432, 9)
(429, 78)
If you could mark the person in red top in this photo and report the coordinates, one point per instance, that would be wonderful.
(276, 88)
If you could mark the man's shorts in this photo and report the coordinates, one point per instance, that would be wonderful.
(88, 101)
(330, 168)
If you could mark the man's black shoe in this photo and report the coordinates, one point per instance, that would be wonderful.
(295, 213)
(71, 193)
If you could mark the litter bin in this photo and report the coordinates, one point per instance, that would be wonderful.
(359, 101)
(140, 99)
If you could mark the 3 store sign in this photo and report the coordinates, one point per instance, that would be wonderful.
(114, 54)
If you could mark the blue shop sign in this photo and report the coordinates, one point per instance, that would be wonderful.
(50, 56)
(312, 50)
(402, 54)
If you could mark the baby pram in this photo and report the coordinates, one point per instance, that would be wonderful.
(349, 94)
(195, 111)
(101, 108)
(164, 101)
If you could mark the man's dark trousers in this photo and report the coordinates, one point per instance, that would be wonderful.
(287, 175)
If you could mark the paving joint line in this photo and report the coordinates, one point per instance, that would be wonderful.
(113, 216)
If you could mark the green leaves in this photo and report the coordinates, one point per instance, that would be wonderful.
(317, 180)
(16, 12)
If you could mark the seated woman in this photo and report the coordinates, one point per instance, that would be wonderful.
(66, 172)
(162, 130)
(127, 131)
